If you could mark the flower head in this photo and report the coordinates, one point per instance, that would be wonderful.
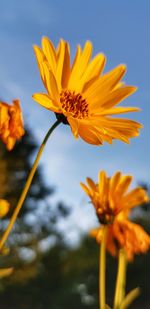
(4, 208)
(110, 196)
(81, 96)
(113, 202)
(124, 234)
(11, 123)
(4, 272)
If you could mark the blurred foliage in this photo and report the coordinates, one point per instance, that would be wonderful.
(48, 272)
(68, 278)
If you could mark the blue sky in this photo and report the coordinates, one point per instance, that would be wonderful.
(120, 29)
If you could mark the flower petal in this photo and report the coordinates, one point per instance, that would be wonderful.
(122, 187)
(40, 59)
(60, 64)
(93, 70)
(80, 66)
(66, 67)
(117, 110)
(134, 198)
(51, 84)
(114, 181)
(49, 53)
(113, 98)
(74, 124)
(91, 184)
(88, 134)
(121, 123)
(85, 189)
(45, 101)
(105, 83)
(103, 185)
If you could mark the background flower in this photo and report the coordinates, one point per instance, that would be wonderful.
(4, 208)
(124, 234)
(110, 195)
(11, 123)
(113, 203)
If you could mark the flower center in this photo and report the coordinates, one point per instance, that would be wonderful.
(74, 104)
(105, 214)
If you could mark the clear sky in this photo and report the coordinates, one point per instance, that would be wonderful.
(118, 28)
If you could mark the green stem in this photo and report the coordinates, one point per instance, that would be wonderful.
(102, 270)
(121, 280)
(27, 186)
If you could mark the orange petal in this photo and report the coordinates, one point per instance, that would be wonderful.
(45, 100)
(89, 135)
(91, 184)
(49, 52)
(117, 110)
(94, 69)
(66, 67)
(80, 66)
(60, 64)
(40, 59)
(105, 84)
(74, 124)
(112, 98)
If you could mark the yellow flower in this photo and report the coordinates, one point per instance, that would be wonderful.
(4, 272)
(4, 207)
(82, 96)
(113, 203)
(124, 234)
(110, 196)
(11, 123)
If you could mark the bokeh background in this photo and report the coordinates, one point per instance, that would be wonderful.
(56, 262)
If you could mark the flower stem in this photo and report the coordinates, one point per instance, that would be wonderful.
(121, 280)
(130, 297)
(102, 270)
(27, 186)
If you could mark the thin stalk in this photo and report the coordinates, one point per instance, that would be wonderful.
(121, 280)
(130, 297)
(102, 270)
(27, 186)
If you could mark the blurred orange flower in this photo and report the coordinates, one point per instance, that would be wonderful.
(113, 203)
(124, 234)
(4, 208)
(11, 123)
(4, 272)
(81, 96)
